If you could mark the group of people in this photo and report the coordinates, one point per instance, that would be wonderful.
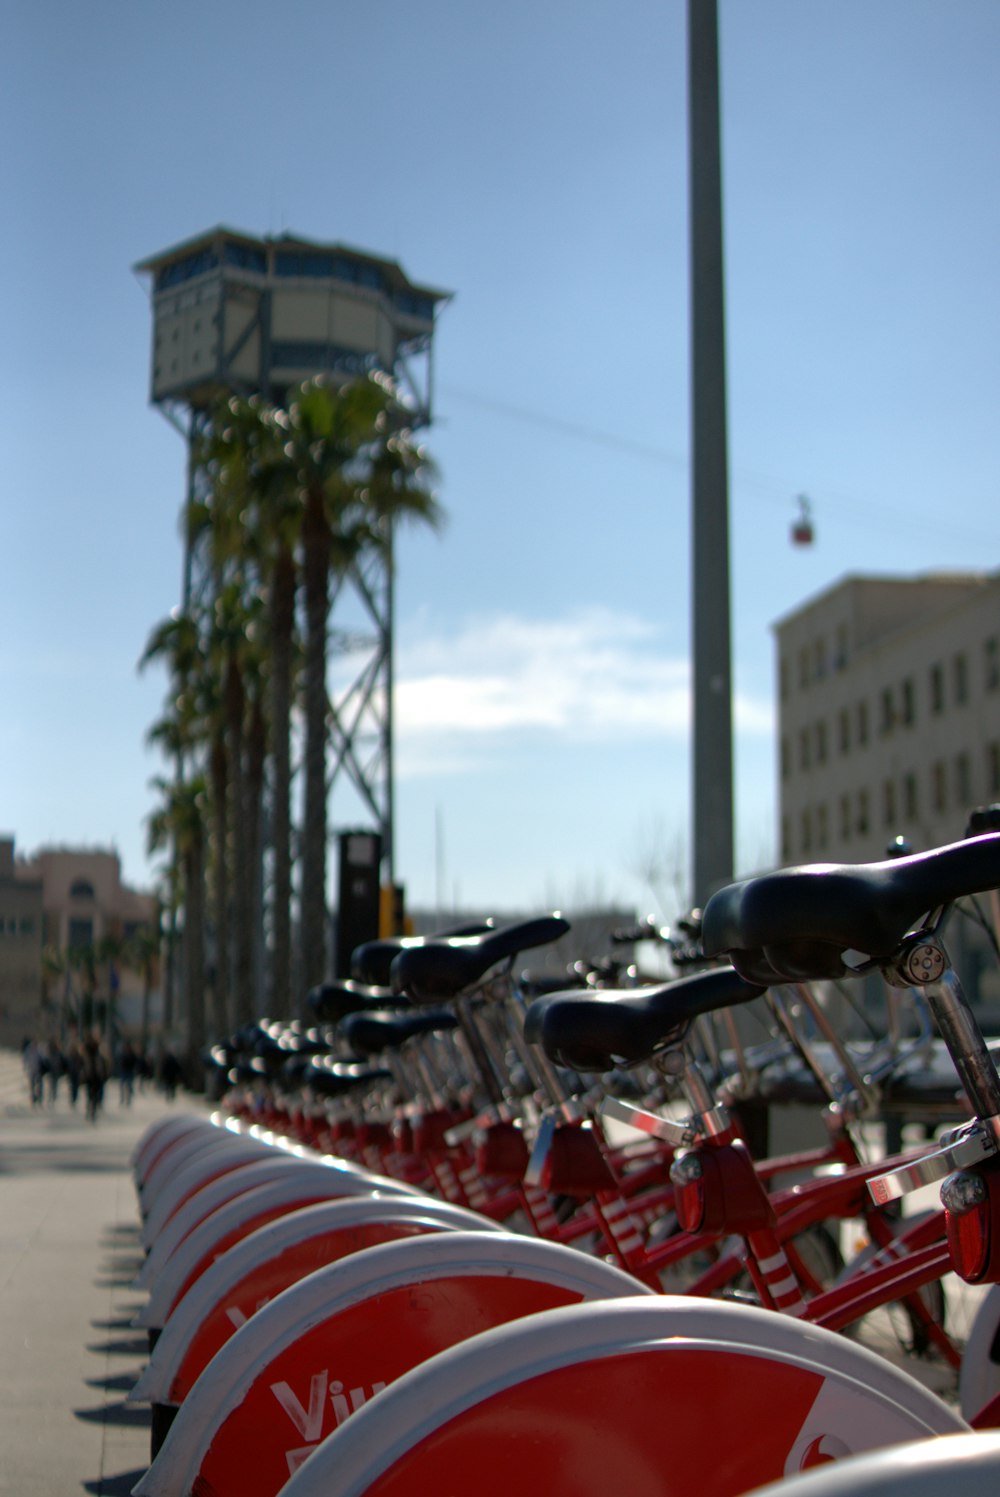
(88, 1064)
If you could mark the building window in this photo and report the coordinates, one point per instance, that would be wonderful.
(888, 804)
(821, 829)
(81, 888)
(960, 676)
(937, 689)
(907, 709)
(821, 743)
(803, 668)
(963, 780)
(910, 797)
(819, 660)
(993, 768)
(862, 722)
(844, 731)
(862, 812)
(939, 794)
(887, 711)
(840, 648)
(807, 831)
(804, 749)
(991, 652)
(81, 934)
(845, 818)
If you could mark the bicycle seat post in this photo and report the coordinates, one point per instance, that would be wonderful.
(963, 1037)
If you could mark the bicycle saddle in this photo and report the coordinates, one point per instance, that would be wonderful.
(606, 1028)
(370, 1033)
(338, 1077)
(371, 962)
(439, 970)
(794, 925)
(333, 1001)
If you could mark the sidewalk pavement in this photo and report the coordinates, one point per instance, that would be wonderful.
(69, 1249)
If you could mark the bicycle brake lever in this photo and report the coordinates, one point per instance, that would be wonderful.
(972, 1147)
(540, 1150)
(650, 1122)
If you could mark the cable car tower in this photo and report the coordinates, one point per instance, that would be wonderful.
(235, 314)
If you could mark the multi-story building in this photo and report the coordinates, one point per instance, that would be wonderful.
(55, 907)
(889, 714)
(21, 930)
(889, 717)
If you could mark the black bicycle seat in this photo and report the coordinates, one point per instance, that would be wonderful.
(439, 970)
(605, 1028)
(372, 961)
(795, 925)
(371, 1033)
(334, 1000)
(337, 1078)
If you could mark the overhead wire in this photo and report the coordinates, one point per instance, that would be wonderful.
(764, 487)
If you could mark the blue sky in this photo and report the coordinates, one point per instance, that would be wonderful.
(530, 158)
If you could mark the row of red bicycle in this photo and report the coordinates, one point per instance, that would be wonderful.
(458, 1235)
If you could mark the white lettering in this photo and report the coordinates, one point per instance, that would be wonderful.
(308, 1422)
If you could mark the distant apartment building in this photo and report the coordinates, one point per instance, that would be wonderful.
(889, 715)
(21, 928)
(56, 905)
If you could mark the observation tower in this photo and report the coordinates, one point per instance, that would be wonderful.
(236, 314)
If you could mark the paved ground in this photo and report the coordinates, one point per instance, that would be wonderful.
(69, 1249)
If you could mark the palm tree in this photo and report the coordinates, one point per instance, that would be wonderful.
(357, 470)
(56, 968)
(192, 733)
(179, 823)
(142, 953)
(299, 496)
(244, 458)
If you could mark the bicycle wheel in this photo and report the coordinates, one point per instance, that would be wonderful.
(628, 1395)
(979, 1380)
(919, 1328)
(964, 1465)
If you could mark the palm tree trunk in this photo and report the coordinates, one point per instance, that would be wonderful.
(256, 754)
(316, 588)
(235, 700)
(194, 948)
(282, 633)
(221, 1017)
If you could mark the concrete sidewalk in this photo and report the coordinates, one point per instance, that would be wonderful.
(69, 1248)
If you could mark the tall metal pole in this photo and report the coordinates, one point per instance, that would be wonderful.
(712, 833)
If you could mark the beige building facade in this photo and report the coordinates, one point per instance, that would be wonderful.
(58, 905)
(889, 714)
(21, 932)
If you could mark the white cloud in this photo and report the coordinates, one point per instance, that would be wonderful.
(595, 674)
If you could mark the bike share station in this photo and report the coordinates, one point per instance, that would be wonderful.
(464, 1235)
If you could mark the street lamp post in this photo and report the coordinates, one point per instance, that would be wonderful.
(712, 834)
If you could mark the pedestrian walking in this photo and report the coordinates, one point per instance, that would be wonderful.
(95, 1072)
(74, 1064)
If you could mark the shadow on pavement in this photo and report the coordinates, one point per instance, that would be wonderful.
(134, 1346)
(119, 1382)
(124, 1415)
(114, 1486)
(119, 1323)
